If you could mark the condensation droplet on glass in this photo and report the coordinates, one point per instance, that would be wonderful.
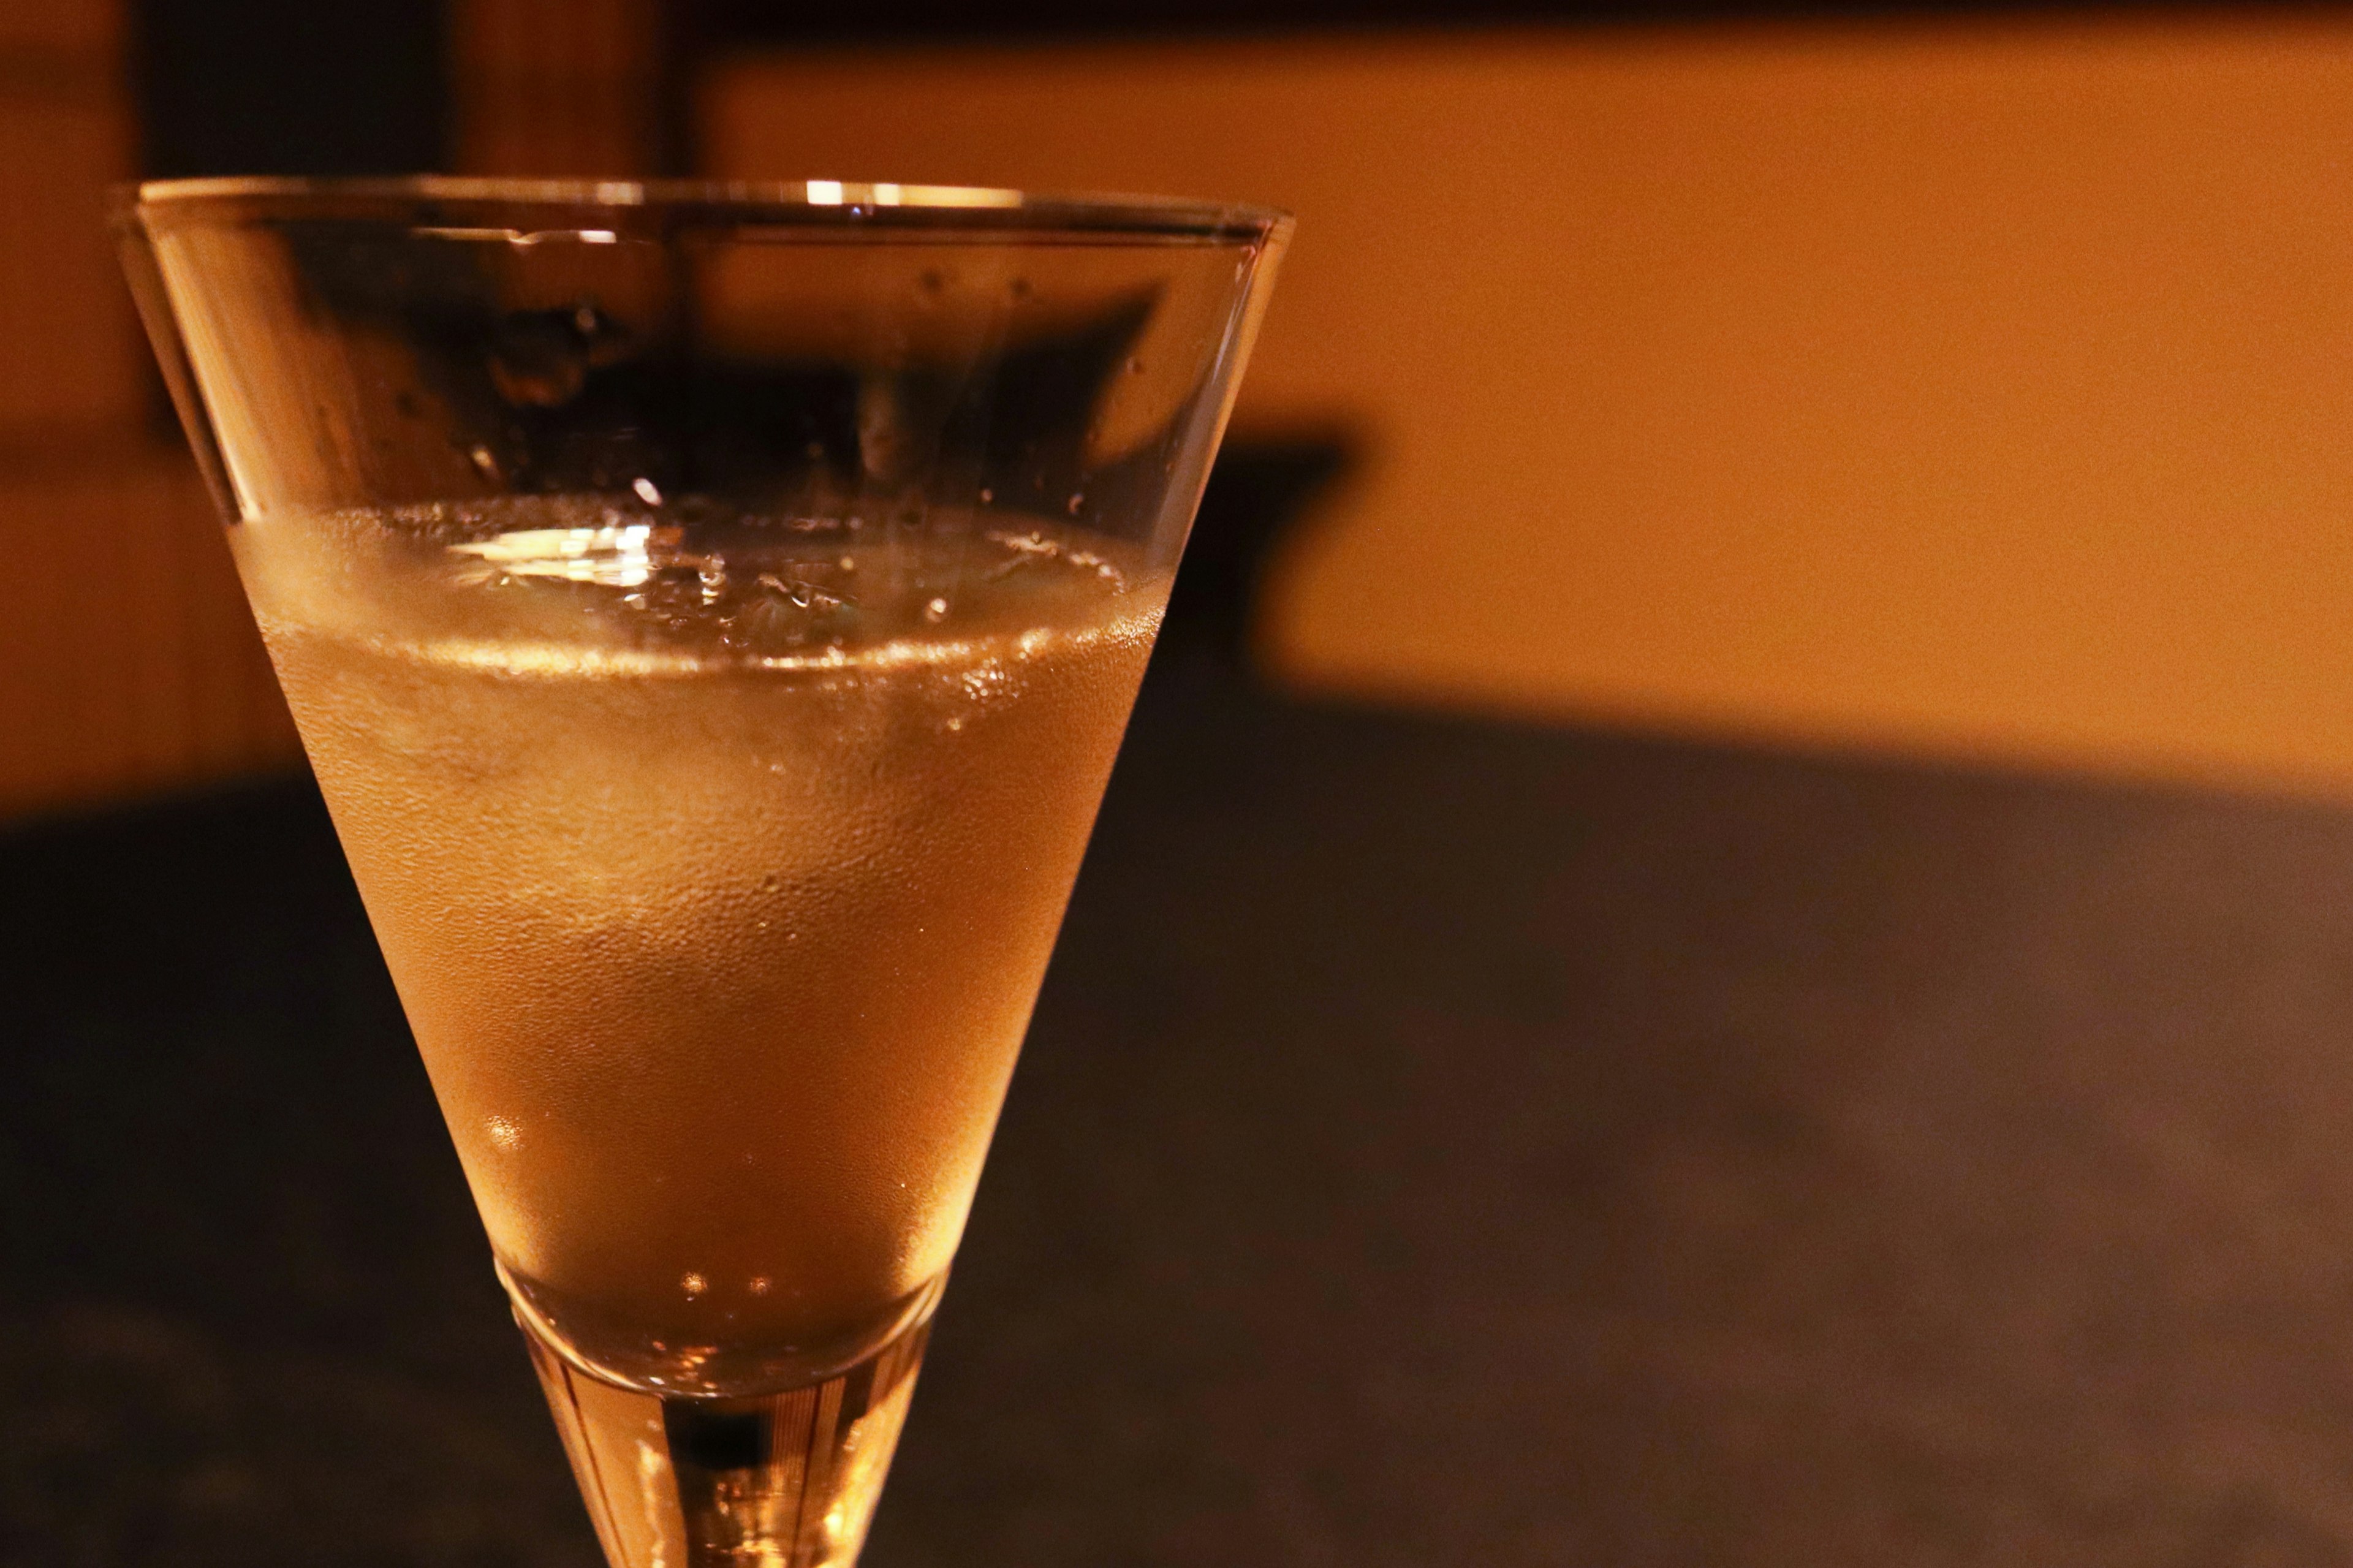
(504, 1133)
(646, 490)
(986, 496)
(955, 726)
(848, 563)
(761, 1284)
(693, 1285)
(1077, 499)
(936, 611)
(485, 460)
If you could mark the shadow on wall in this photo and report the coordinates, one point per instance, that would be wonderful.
(1264, 497)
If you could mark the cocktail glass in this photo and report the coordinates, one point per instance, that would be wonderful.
(710, 613)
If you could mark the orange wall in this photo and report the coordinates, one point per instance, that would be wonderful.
(127, 659)
(1979, 392)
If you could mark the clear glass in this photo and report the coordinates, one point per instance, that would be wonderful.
(710, 613)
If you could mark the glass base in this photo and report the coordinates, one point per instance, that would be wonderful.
(774, 1481)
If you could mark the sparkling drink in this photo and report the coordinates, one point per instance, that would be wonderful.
(716, 865)
(716, 862)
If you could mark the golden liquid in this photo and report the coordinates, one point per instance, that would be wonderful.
(718, 916)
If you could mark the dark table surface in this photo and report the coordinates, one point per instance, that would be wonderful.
(1439, 1143)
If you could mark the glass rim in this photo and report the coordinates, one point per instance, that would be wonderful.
(835, 204)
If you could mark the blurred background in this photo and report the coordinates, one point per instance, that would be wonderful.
(1757, 975)
(1956, 384)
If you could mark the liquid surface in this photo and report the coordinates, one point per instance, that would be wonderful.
(717, 863)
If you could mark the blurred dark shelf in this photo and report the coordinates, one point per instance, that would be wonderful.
(286, 87)
(719, 24)
(289, 87)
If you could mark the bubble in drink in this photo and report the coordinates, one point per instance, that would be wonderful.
(716, 865)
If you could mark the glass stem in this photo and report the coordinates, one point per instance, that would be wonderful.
(776, 1480)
